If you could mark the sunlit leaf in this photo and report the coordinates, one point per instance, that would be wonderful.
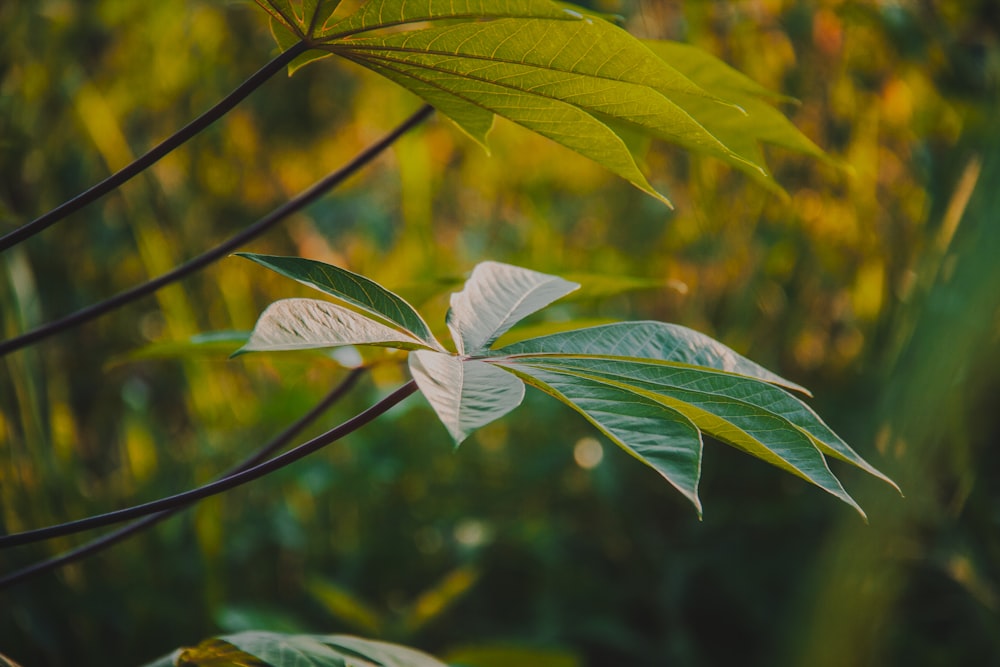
(720, 405)
(302, 324)
(465, 394)
(648, 340)
(658, 435)
(560, 79)
(352, 288)
(218, 652)
(305, 18)
(742, 132)
(382, 653)
(561, 72)
(378, 14)
(495, 298)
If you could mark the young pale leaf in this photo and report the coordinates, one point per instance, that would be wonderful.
(282, 650)
(382, 653)
(495, 298)
(737, 422)
(357, 290)
(465, 394)
(648, 340)
(656, 434)
(302, 324)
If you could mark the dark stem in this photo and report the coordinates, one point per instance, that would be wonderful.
(203, 260)
(150, 158)
(120, 534)
(218, 486)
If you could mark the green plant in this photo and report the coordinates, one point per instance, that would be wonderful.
(652, 388)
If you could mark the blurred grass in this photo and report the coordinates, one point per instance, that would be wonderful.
(874, 286)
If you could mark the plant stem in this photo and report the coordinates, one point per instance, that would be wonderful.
(150, 520)
(201, 261)
(218, 486)
(154, 154)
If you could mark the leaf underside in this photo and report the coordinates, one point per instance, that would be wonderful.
(303, 324)
(495, 298)
(352, 288)
(465, 394)
(272, 649)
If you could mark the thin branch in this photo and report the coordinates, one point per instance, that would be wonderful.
(203, 260)
(150, 158)
(150, 520)
(218, 486)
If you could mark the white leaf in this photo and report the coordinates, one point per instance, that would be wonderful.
(301, 324)
(466, 394)
(495, 298)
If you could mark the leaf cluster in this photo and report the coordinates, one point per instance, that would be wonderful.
(652, 388)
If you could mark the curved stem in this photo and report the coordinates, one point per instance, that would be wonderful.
(203, 260)
(212, 488)
(154, 154)
(150, 520)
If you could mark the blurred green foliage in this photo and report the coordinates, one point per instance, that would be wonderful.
(874, 285)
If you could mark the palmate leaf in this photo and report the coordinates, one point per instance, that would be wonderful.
(571, 77)
(652, 388)
(272, 649)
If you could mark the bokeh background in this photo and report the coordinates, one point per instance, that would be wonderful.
(537, 544)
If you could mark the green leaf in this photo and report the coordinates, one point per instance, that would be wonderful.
(495, 298)
(354, 289)
(380, 14)
(743, 132)
(561, 79)
(466, 394)
(304, 18)
(763, 395)
(723, 406)
(303, 324)
(656, 434)
(648, 340)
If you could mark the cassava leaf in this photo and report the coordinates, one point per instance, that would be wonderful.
(465, 394)
(354, 289)
(656, 434)
(272, 649)
(382, 653)
(742, 132)
(303, 18)
(380, 14)
(648, 340)
(561, 79)
(709, 400)
(495, 298)
(302, 324)
(723, 387)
